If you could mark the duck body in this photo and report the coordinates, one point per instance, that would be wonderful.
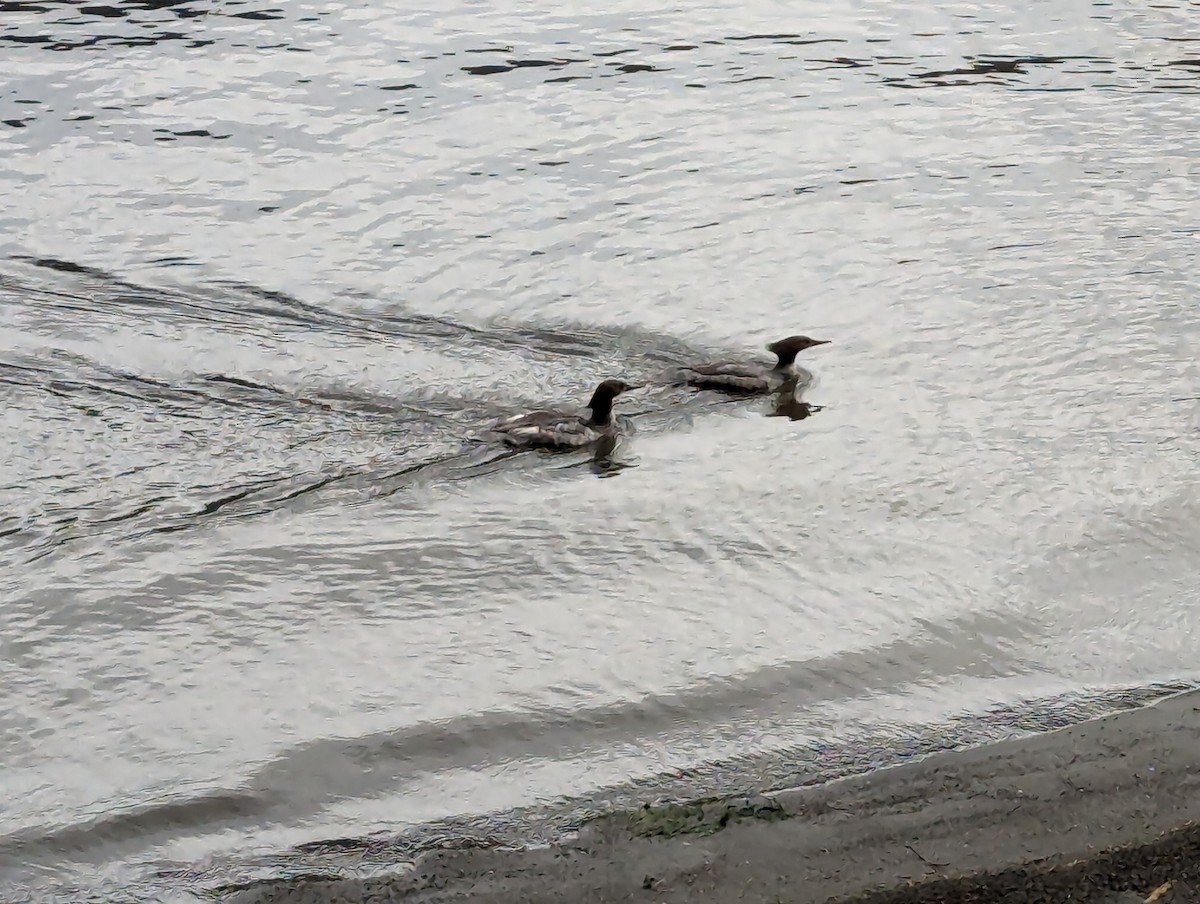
(549, 429)
(738, 377)
(728, 376)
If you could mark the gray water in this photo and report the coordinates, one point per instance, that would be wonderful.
(267, 272)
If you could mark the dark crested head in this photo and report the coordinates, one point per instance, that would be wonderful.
(602, 399)
(787, 349)
(613, 388)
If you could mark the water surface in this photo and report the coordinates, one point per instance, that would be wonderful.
(268, 271)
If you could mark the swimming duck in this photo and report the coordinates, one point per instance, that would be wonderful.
(559, 430)
(750, 378)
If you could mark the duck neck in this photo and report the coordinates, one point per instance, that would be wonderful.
(600, 407)
(786, 362)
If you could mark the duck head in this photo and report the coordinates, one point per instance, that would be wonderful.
(787, 349)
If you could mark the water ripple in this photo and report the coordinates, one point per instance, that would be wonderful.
(268, 270)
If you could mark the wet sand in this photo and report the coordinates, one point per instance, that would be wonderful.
(1103, 811)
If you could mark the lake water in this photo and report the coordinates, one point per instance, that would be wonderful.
(267, 604)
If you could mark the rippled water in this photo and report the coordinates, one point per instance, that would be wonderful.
(268, 271)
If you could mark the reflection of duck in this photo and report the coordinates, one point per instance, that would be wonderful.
(558, 430)
(788, 403)
(604, 461)
(750, 378)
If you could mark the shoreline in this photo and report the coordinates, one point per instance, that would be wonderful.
(1106, 810)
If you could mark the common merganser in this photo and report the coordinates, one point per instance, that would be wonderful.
(560, 430)
(750, 378)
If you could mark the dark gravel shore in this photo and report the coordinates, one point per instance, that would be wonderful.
(1104, 811)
